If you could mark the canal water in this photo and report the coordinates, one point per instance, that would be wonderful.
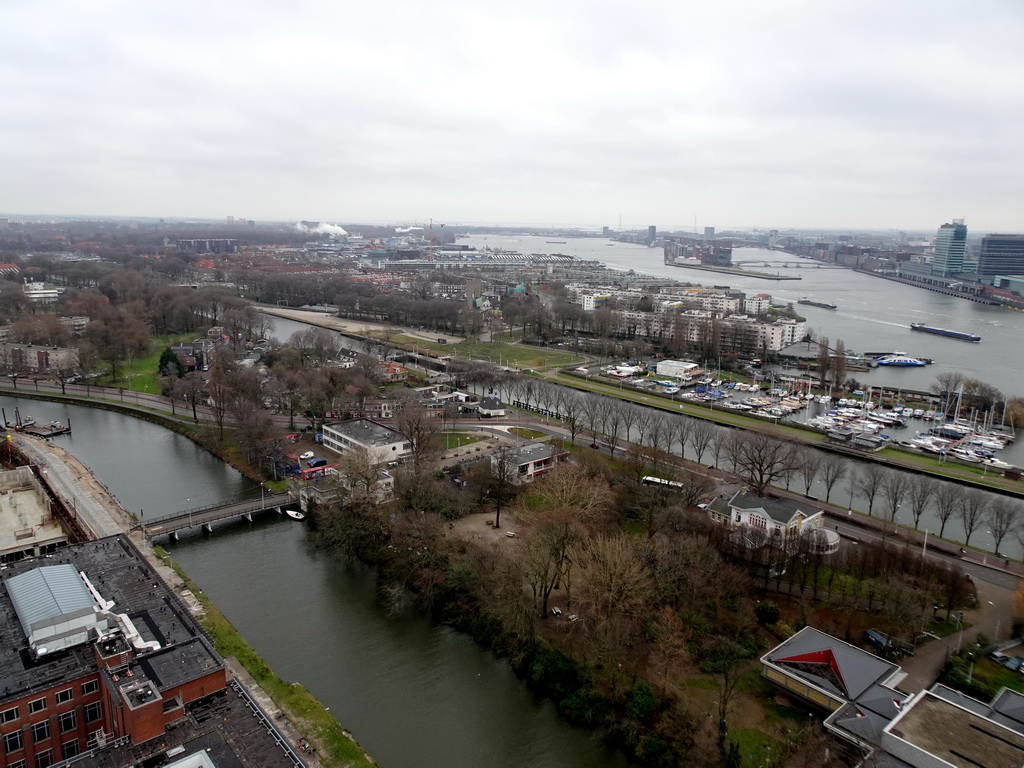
(413, 694)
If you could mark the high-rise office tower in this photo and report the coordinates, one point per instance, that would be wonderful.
(1000, 255)
(950, 245)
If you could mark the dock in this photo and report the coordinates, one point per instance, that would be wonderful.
(52, 429)
(29, 426)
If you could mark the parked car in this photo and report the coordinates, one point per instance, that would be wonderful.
(316, 462)
(307, 455)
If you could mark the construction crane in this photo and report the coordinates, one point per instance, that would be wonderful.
(430, 248)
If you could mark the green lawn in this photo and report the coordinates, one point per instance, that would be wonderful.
(755, 747)
(141, 375)
(512, 355)
(526, 433)
(448, 440)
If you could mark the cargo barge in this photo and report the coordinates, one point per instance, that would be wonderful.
(819, 304)
(961, 335)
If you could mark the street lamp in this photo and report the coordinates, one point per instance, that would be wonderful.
(189, 503)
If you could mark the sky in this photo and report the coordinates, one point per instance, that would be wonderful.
(789, 113)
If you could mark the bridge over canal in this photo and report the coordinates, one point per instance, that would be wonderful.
(205, 517)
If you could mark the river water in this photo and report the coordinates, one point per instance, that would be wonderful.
(873, 314)
(413, 694)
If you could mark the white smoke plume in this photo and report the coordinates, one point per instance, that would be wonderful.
(322, 229)
(407, 230)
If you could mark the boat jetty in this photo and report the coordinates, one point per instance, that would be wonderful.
(29, 426)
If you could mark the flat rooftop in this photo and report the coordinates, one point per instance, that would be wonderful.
(534, 452)
(119, 573)
(958, 736)
(25, 519)
(367, 432)
(223, 726)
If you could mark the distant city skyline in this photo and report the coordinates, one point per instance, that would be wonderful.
(795, 114)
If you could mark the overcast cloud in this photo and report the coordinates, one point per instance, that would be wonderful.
(815, 113)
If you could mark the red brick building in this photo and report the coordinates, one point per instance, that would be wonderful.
(96, 654)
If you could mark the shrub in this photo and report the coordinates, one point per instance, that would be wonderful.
(642, 702)
(585, 707)
(767, 613)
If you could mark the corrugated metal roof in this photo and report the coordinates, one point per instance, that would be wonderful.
(46, 593)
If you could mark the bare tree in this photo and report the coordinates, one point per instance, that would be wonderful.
(839, 365)
(659, 434)
(833, 469)
(571, 411)
(681, 427)
(894, 491)
(811, 461)
(219, 387)
(65, 371)
(701, 435)
(948, 499)
(869, 481)
(629, 416)
(420, 426)
(193, 388)
(644, 418)
(920, 490)
(972, 513)
(613, 422)
(503, 471)
(824, 361)
(1002, 518)
(761, 459)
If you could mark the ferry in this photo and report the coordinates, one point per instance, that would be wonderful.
(962, 335)
(902, 361)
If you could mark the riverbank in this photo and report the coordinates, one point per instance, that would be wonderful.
(301, 714)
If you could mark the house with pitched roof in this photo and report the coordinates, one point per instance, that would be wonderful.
(758, 521)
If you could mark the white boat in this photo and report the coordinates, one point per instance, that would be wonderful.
(903, 361)
(295, 514)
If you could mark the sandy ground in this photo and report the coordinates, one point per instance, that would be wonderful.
(354, 326)
(474, 528)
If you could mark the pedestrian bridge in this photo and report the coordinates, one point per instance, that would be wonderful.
(205, 517)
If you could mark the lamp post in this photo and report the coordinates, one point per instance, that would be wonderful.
(189, 503)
